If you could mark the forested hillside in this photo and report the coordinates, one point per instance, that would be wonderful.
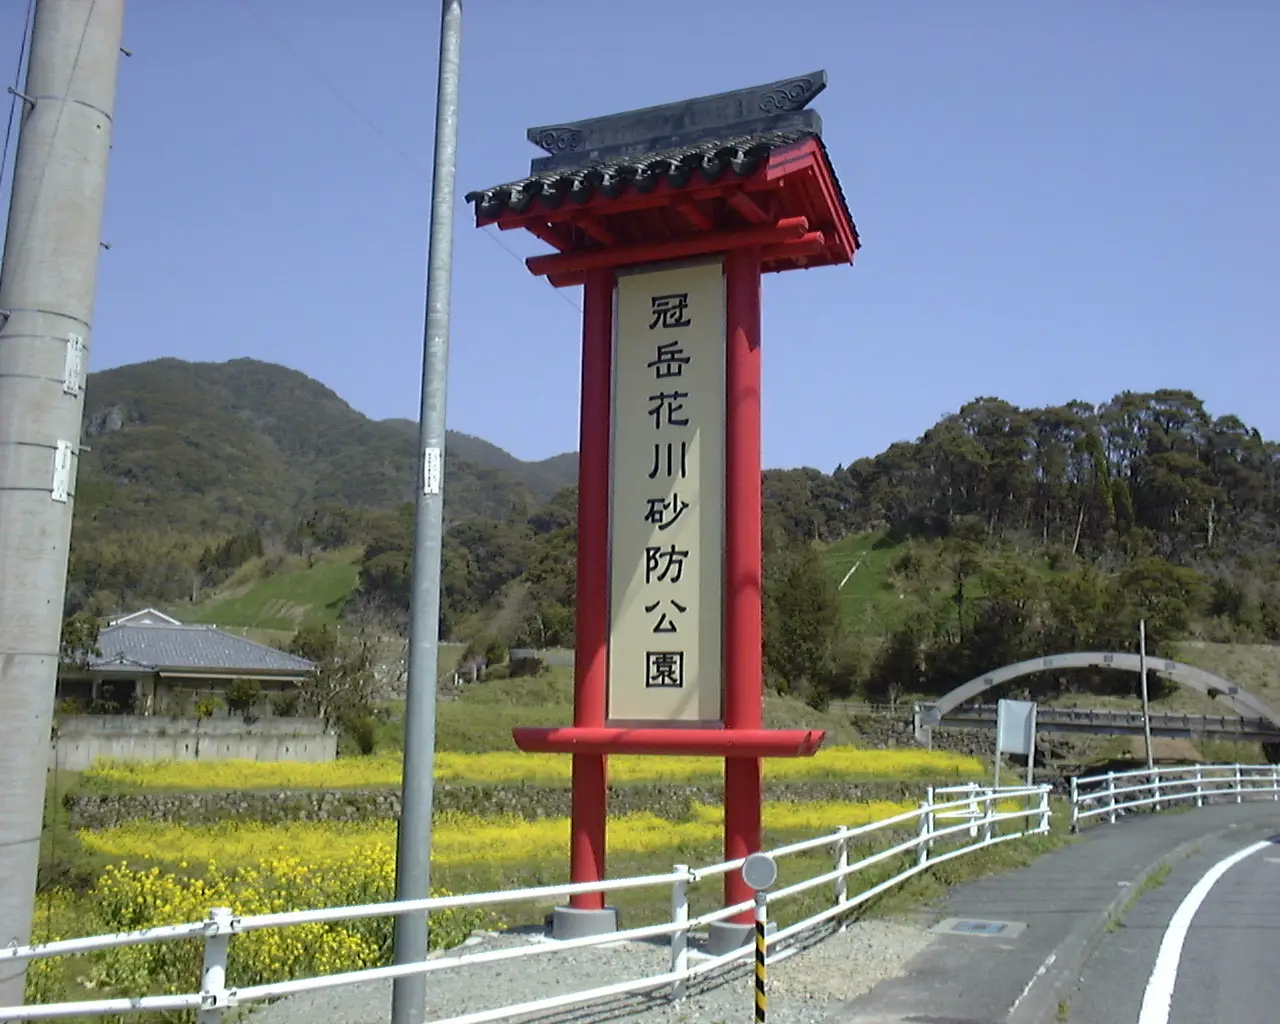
(1000, 533)
(183, 456)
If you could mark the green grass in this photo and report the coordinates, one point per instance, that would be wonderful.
(1153, 880)
(287, 599)
(481, 715)
(868, 598)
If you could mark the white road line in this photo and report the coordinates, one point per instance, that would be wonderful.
(1157, 1001)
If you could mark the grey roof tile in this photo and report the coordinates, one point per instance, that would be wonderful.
(708, 160)
(190, 647)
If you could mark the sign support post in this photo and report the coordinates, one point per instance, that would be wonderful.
(743, 661)
(668, 217)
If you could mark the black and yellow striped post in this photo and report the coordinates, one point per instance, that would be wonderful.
(762, 922)
(760, 871)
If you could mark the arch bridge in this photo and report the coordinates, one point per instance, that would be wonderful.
(1266, 721)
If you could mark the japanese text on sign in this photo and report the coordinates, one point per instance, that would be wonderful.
(667, 506)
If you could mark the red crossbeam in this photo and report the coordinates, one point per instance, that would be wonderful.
(786, 230)
(705, 742)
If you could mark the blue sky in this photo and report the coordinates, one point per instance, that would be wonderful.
(1057, 201)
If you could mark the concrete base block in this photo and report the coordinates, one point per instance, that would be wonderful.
(572, 923)
(725, 936)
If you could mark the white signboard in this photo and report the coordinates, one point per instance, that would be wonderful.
(1016, 726)
(1016, 733)
(667, 501)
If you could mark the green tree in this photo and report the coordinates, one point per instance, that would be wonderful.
(79, 640)
(342, 685)
(802, 620)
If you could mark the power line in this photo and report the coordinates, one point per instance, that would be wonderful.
(369, 123)
(57, 123)
(13, 91)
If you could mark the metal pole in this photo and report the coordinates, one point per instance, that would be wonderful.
(213, 974)
(680, 939)
(47, 284)
(1146, 705)
(1031, 748)
(413, 848)
(762, 927)
(743, 672)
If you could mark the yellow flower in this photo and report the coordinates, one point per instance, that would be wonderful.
(836, 763)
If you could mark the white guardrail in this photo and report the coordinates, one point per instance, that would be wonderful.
(1117, 793)
(980, 815)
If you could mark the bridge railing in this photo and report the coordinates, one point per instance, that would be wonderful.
(1116, 793)
(908, 844)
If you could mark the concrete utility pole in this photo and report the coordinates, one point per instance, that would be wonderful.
(413, 848)
(47, 284)
(1146, 703)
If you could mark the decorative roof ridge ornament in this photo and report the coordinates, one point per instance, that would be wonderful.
(777, 106)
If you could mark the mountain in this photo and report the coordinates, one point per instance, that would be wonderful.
(215, 448)
(544, 478)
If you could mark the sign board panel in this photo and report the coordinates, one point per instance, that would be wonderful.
(1016, 727)
(667, 495)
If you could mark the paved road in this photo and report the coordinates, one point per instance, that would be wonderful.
(1055, 909)
(1224, 972)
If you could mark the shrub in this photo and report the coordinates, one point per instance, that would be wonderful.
(207, 707)
(243, 695)
(285, 705)
(363, 732)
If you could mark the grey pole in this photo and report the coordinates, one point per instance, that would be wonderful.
(1146, 704)
(47, 284)
(413, 849)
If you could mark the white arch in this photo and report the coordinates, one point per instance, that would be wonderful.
(1214, 687)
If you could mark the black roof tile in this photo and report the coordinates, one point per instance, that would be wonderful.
(709, 160)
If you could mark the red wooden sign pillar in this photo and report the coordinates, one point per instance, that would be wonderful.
(667, 218)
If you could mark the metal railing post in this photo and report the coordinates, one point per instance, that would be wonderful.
(1239, 784)
(974, 813)
(1111, 797)
(1075, 804)
(1275, 782)
(990, 804)
(213, 973)
(1045, 812)
(680, 939)
(1199, 786)
(1153, 780)
(922, 848)
(842, 865)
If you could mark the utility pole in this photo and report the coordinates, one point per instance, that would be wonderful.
(47, 284)
(1146, 704)
(413, 847)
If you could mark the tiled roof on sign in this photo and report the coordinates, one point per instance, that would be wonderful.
(190, 647)
(707, 160)
(697, 154)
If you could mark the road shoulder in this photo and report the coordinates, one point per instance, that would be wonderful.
(1230, 930)
(1055, 911)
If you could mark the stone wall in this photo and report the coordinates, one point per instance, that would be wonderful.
(671, 801)
(80, 740)
(880, 731)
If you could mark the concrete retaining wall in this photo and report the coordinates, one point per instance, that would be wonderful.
(83, 739)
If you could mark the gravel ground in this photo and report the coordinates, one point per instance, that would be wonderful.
(832, 967)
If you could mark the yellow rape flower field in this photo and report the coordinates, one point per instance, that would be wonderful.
(144, 873)
(165, 873)
(843, 763)
(457, 839)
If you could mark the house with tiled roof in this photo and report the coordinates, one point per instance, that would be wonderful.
(150, 663)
